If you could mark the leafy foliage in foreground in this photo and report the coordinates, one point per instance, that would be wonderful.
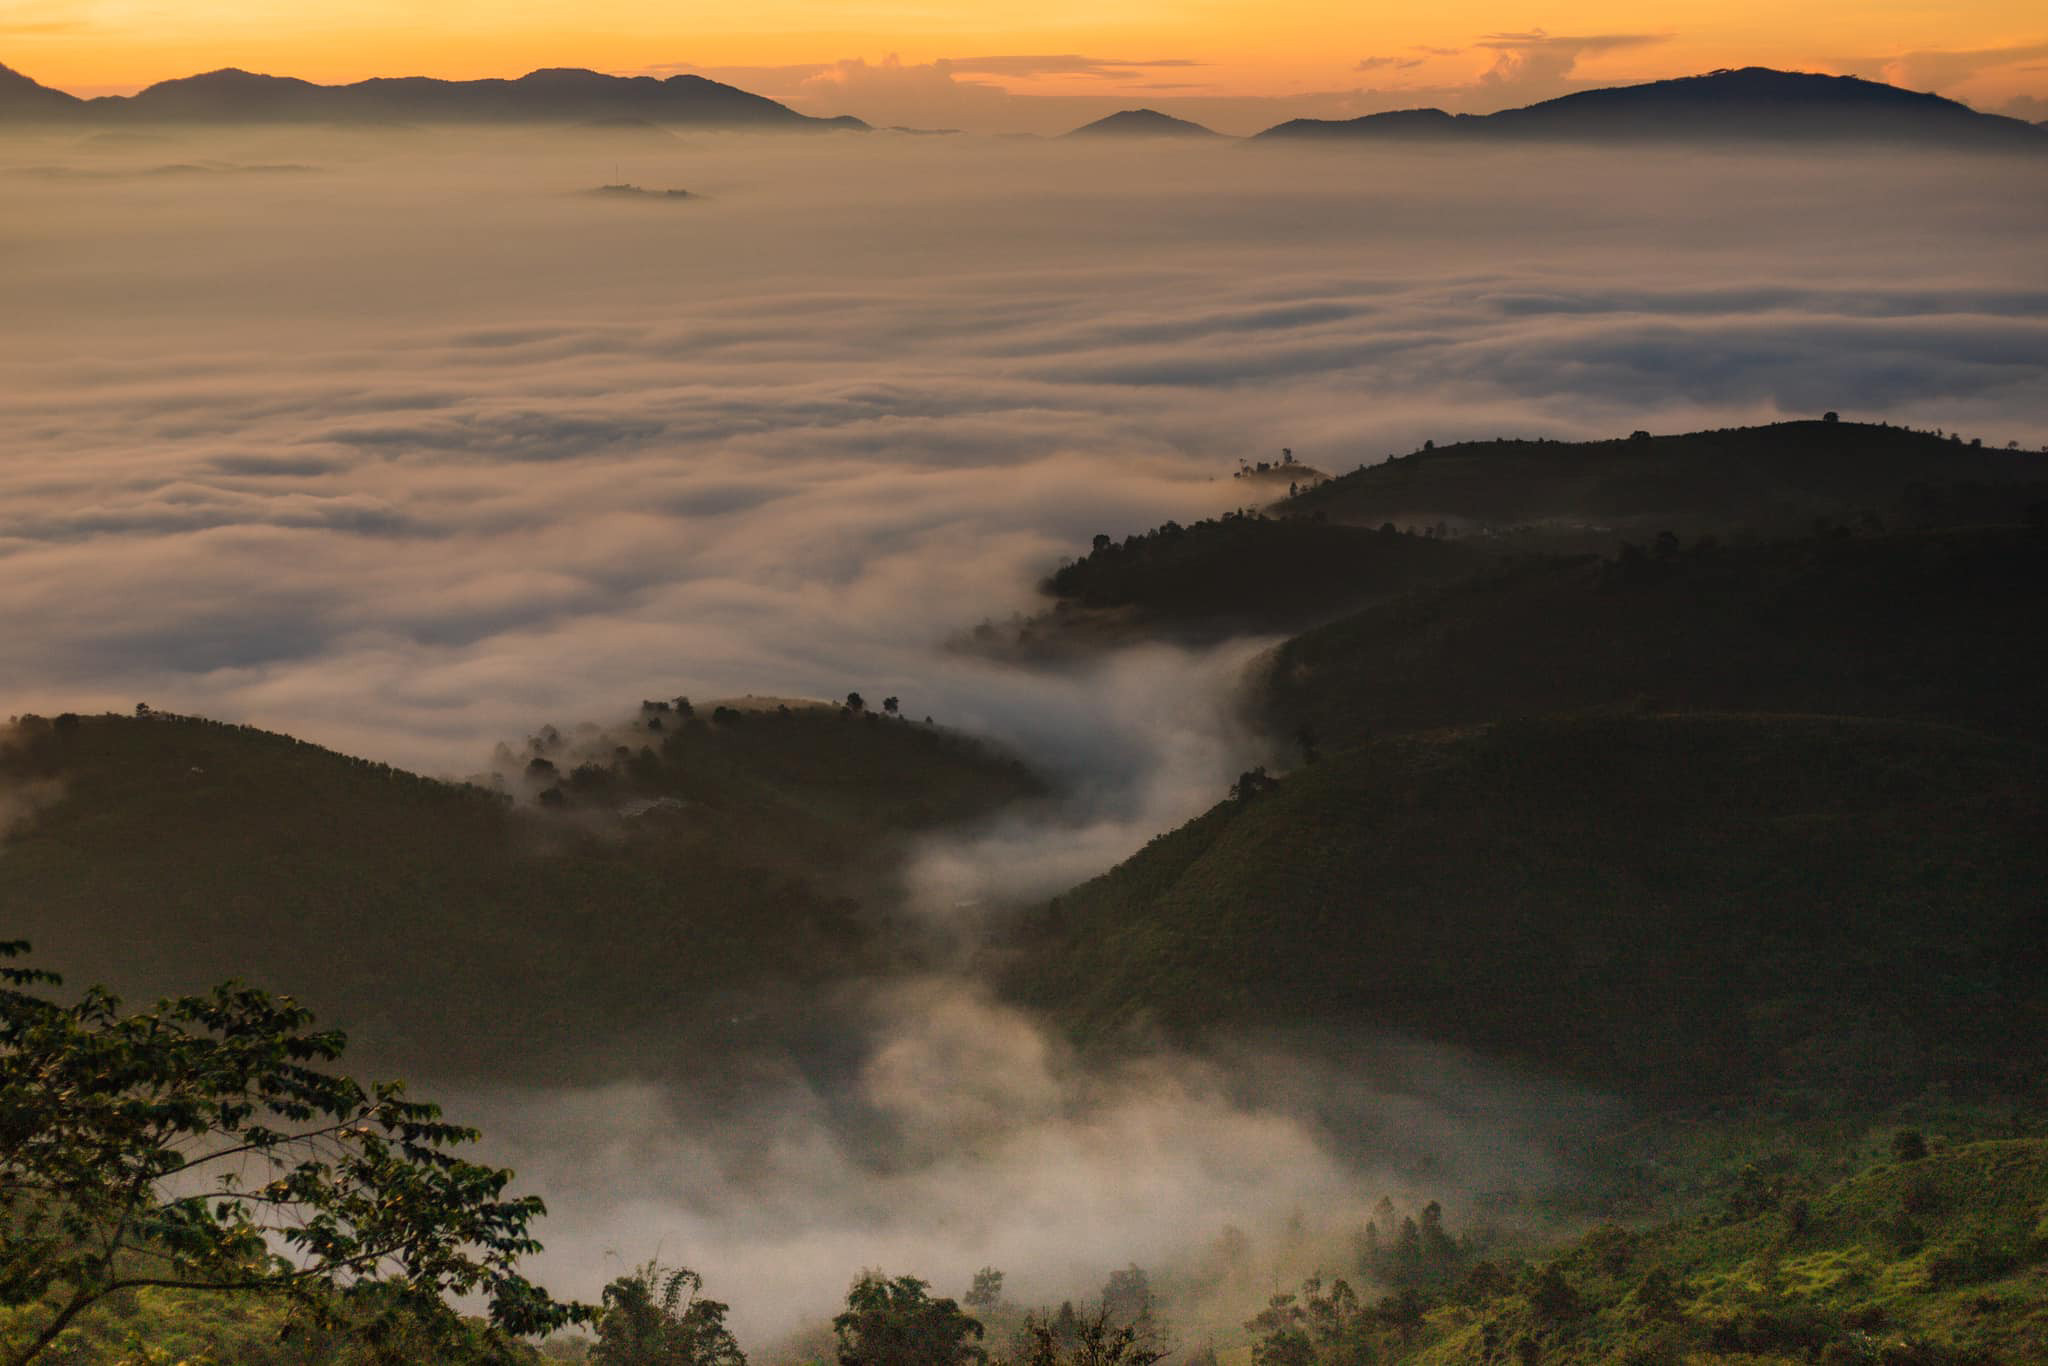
(203, 1145)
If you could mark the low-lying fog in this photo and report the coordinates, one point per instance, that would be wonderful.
(401, 441)
(417, 446)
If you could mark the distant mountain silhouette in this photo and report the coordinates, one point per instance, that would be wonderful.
(565, 94)
(23, 99)
(1755, 104)
(1396, 123)
(1143, 123)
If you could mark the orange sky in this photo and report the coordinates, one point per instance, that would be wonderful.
(1264, 54)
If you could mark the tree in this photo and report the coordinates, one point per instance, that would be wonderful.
(654, 1318)
(1283, 1340)
(1251, 783)
(1831, 416)
(896, 1323)
(1091, 1342)
(1324, 1326)
(202, 1145)
(1127, 1302)
(891, 705)
(855, 702)
(987, 1291)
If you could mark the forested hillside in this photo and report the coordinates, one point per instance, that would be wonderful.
(736, 864)
(1671, 906)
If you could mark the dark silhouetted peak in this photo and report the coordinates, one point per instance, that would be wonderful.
(1753, 104)
(1395, 123)
(1143, 123)
(1758, 103)
(21, 97)
(547, 95)
(573, 76)
(228, 80)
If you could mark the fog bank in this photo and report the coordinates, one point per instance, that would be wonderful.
(418, 446)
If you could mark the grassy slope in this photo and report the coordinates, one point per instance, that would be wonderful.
(1936, 626)
(1664, 905)
(1908, 1263)
(1242, 571)
(164, 1327)
(437, 921)
(1321, 556)
(1764, 478)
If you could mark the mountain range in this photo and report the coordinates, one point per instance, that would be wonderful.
(234, 96)
(1754, 104)
(1751, 104)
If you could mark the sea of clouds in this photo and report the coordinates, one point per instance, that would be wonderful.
(400, 441)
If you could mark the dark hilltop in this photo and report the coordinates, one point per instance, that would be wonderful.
(1754, 104)
(1751, 106)
(552, 95)
(1142, 123)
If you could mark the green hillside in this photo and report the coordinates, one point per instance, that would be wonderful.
(1940, 626)
(1912, 1257)
(436, 920)
(1669, 906)
(1774, 478)
(1445, 514)
(1241, 572)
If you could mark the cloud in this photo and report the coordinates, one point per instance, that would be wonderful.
(43, 18)
(325, 472)
(1068, 64)
(1945, 70)
(1537, 65)
(966, 1136)
(978, 91)
(1050, 92)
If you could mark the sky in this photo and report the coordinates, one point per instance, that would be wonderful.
(1037, 65)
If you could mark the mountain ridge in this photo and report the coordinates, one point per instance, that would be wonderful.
(231, 94)
(1740, 104)
(1748, 104)
(1142, 123)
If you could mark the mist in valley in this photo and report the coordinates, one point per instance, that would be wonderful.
(402, 442)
